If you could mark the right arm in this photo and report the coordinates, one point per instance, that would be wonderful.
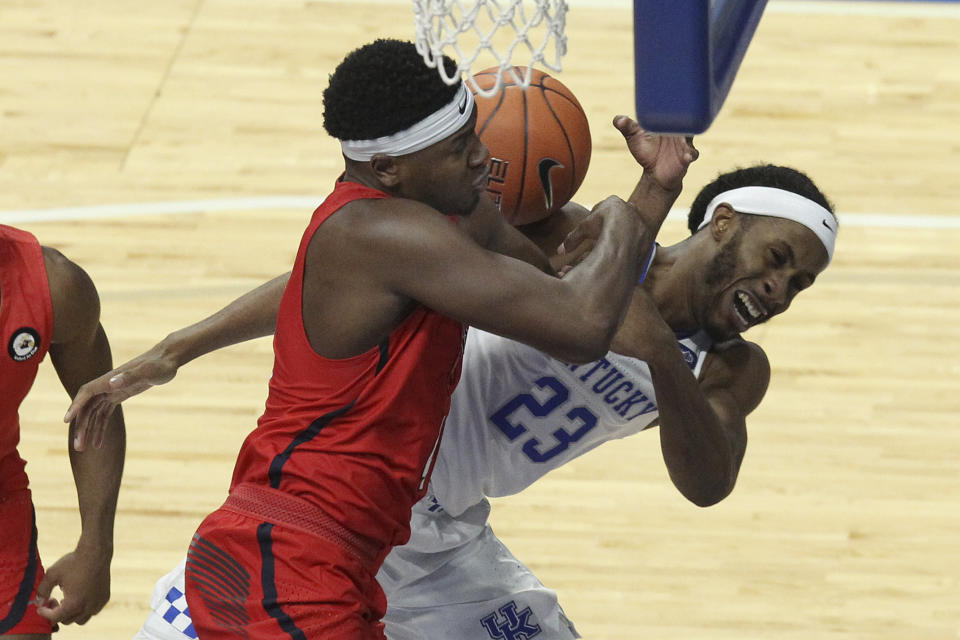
(253, 315)
(421, 256)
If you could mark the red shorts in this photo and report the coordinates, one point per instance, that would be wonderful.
(296, 575)
(20, 567)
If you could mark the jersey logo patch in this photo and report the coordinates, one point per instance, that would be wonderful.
(688, 355)
(506, 623)
(24, 344)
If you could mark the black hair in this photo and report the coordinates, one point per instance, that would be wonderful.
(761, 175)
(382, 88)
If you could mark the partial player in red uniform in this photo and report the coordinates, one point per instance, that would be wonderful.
(48, 304)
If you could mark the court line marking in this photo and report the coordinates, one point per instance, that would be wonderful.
(308, 203)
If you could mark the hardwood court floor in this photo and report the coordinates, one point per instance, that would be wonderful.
(844, 523)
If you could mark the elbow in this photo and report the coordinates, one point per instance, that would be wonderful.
(592, 341)
(705, 498)
(705, 492)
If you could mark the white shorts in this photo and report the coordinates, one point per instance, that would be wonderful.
(476, 591)
(169, 618)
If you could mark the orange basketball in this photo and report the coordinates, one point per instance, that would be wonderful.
(539, 142)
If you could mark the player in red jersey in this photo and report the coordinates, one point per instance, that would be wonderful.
(48, 303)
(367, 352)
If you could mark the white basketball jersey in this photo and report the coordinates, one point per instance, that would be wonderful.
(518, 413)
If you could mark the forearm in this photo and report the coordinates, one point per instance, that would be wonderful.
(602, 284)
(97, 472)
(250, 316)
(696, 447)
(653, 201)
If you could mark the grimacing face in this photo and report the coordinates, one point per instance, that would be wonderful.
(757, 273)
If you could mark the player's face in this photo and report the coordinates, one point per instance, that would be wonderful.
(451, 175)
(757, 272)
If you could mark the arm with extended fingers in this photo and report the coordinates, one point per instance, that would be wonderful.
(253, 315)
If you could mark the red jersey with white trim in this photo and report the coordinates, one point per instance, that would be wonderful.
(26, 326)
(356, 436)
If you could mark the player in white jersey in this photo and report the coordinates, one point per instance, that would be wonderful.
(518, 413)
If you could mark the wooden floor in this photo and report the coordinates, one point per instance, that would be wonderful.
(846, 521)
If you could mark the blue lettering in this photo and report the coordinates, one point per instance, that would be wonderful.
(610, 398)
(600, 364)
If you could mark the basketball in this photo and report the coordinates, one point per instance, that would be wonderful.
(539, 142)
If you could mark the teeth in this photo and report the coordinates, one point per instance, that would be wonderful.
(748, 303)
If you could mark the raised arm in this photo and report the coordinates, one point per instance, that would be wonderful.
(253, 315)
(79, 351)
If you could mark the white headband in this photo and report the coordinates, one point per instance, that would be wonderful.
(440, 124)
(778, 203)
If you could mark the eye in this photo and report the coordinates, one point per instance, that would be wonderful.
(778, 258)
(461, 144)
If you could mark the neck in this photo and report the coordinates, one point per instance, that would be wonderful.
(673, 281)
(361, 173)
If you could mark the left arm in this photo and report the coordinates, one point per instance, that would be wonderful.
(80, 352)
(703, 434)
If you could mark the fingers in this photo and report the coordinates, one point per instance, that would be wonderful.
(106, 383)
(589, 228)
(627, 125)
(46, 586)
(66, 612)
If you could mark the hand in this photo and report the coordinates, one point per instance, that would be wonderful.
(84, 577)
(584, 237)
(96, 400)
(665, 157)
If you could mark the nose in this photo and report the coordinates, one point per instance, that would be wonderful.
(480, 155)
(775, 289)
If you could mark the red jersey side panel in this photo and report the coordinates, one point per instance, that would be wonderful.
(26, 327)
(354, 436)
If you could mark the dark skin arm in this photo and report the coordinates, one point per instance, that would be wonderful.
(703, 433)
(664, 160)
(489, 229)
(373, 259)
(253, 315)
(80, 351)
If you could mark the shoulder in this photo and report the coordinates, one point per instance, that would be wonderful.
(389, 219)
(740, 366)
(76, 305)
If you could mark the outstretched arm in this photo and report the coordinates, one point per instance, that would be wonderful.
(664, 160)
(253, 315)
(80, 351)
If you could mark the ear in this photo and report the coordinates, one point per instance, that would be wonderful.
(722, 221)
(386, 169)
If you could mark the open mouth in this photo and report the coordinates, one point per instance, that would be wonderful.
(748, 308)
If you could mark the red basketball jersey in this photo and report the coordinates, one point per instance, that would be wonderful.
(26, 326)
(355, 436)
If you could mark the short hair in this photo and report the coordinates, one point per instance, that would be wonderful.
(761, 175)
(382, 88)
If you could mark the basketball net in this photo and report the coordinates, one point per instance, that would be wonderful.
(508, 32)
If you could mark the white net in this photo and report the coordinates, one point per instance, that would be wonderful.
(491, 33)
